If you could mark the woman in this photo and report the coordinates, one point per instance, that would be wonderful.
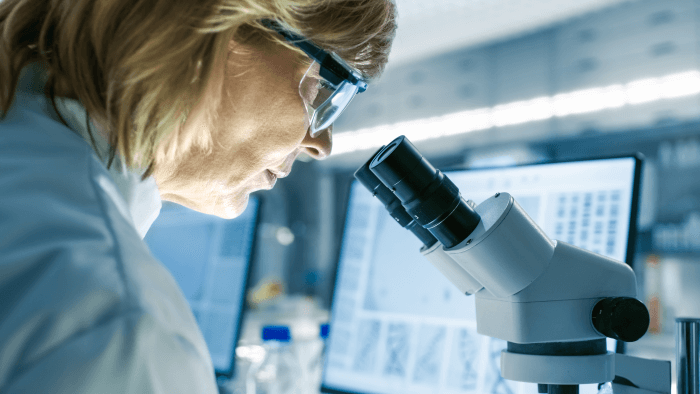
(108, 107)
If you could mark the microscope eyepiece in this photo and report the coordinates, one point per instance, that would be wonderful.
(427, 194)
(374, 185)
(392, 204)
(403, 169)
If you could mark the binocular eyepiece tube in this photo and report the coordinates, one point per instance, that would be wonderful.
(427, 194)
(432, 199)
(392, 204)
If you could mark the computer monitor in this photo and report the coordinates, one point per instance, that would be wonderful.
(209, 258)
(399, 326)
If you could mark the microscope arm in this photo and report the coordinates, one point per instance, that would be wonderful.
(634, 375)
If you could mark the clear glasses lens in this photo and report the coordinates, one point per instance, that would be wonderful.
(309, 91)
(329, 111)
(323, 102)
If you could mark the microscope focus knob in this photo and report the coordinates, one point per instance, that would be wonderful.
(623, 318)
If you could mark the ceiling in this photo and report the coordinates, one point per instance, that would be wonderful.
(429, 27)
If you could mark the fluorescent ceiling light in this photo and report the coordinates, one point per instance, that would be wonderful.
(519, 112)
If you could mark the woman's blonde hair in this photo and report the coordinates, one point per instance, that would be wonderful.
(139, 66)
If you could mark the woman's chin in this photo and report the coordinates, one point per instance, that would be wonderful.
(234, 206)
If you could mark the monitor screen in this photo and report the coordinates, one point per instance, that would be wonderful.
(209, 258)
(399, 326)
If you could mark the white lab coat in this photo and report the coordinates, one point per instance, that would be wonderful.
(84, 306)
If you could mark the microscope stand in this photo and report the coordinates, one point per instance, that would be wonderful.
(628, 374)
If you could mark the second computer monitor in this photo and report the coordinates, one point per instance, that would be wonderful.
(209, 257)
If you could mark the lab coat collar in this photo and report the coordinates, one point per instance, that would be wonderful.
(142, 197)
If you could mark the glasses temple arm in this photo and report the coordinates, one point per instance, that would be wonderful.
(331, 69)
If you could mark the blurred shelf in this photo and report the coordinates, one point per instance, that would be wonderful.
(686, 255)
(645, 246)
(683, 171)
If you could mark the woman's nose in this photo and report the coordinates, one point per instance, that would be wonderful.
(319, 147)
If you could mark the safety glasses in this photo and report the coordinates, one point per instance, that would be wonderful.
(328, 85)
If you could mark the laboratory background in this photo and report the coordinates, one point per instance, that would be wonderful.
(587, 112)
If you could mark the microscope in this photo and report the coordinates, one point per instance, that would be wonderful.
(553, 303)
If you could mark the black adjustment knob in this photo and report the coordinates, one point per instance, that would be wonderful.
(623, 318)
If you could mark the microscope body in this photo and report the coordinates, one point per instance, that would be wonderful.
(540, 296)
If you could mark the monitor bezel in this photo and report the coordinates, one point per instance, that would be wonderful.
(631, 243)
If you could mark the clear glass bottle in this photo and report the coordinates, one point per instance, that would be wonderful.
(315, 367)
(279, 371)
